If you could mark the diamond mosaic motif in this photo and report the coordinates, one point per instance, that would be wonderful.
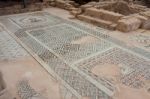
(71, 52)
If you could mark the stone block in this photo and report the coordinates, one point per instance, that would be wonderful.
(130, 24)
(84, 7)
(146, 25)
(95, 21)
(103, 14)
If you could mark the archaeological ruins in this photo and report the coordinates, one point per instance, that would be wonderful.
(74, 49)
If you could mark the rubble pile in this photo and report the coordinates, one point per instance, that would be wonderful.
(114, 15)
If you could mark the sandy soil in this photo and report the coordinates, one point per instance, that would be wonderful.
(125, 92)
(110, 71)
(27, 68)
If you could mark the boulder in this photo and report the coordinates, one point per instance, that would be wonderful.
(129, 24)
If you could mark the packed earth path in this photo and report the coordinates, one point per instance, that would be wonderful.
(51, 55)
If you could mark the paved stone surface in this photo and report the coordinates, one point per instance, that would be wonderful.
(71, 52)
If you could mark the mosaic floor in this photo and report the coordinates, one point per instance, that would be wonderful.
(88, 62)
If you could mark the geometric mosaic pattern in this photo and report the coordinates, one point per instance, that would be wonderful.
(25, 91)
(68, 42)
(132, 67)
(63, 70)
(9, 48)
(142, 39)
(70, 51)
(33, 20)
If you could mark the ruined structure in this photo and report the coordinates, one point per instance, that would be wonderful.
(114, 15)
(72, 49)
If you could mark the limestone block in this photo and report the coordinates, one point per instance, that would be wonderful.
(146, 25)
(145, 21)
(146, 14)
(103, 14)
(130, 24)
(60, 3)
(92, 12)
(97, 22)
(84, 7)
(110, 16)
(142, 18)
(75, 11)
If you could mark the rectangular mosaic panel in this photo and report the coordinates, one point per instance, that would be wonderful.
(70, 43)
(35, 19)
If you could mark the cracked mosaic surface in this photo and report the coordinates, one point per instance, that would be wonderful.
(73, 53)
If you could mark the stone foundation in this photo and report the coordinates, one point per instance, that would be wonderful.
(115, 15)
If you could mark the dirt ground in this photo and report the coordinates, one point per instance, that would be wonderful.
(27, 68)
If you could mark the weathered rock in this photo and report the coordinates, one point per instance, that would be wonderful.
(64, 4)
(103, 14)
(146, 25)
(75, 12)
(83, 7)
(98, 22)
(129, 24)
